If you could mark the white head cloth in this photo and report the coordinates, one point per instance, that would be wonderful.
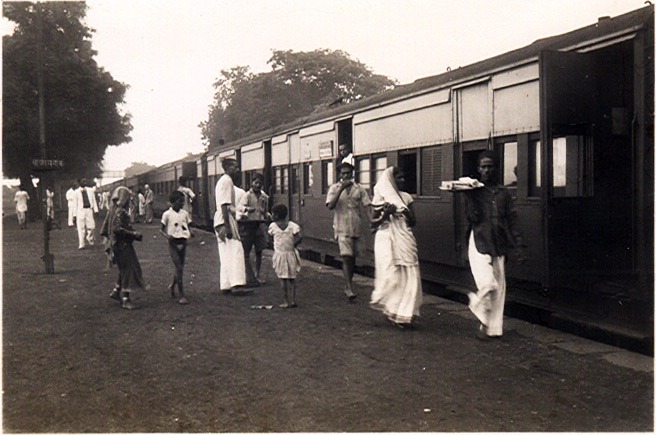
(386, 190)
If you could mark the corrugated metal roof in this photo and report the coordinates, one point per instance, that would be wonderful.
(603, 28)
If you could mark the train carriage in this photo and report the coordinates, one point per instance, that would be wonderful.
(585, 200)
(571, 120)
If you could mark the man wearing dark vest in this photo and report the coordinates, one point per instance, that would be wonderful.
(84, 207)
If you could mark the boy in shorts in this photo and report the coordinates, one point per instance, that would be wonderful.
(346, 198)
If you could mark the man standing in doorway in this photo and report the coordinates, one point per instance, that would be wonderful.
(494, 232)
(231, 252)
(346, 198)
(84, 207)
(189, 195)
(150, 198)
(345, 154)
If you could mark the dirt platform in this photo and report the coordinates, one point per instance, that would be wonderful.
(74, 361)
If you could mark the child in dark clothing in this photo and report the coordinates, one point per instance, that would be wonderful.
(120, 235)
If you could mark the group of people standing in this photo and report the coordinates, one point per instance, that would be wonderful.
(493, 232)
(242, 222)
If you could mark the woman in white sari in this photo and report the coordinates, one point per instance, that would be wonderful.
(397, 291)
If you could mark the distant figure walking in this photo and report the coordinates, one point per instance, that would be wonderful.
(84, 206)
(149, 198)
(70, 202)
(346, 198)
(142, 206)
(21, 199)
(175, 227)
(50, 204)
(133, 206)
(286, 259)
(231, 251)
(120, 234)
(397, 292)
(103, 200)
(50, 209)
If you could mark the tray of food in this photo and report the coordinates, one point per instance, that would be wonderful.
(462, 183)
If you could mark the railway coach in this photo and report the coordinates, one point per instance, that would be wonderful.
(570, 118)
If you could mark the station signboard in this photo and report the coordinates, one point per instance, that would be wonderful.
(42, 165)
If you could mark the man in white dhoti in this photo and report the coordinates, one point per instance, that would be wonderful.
(397, 291)
(231, 252)
(494, 231)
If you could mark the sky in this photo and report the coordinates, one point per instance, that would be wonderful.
(170, 53)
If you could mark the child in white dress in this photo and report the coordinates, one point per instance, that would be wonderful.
(286, 259)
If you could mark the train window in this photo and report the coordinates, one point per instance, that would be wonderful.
(509, 165)
(431, 171)
(327, 175)
(277, 182)
(380, 163)
(572, 167)
(408, 164)
(534, 169)
(307, 178)
(296, 180)
(363, 172)
(284, 185)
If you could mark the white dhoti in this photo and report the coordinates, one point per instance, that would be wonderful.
(233, 268)
(70, 214)
(490, 277)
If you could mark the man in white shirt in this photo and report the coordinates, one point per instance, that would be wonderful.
(346, 198)
(231, 252)
(21, 199)
(84, 207)
(70, 194)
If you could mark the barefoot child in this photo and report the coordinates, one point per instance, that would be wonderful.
(175, 227)
(286, 260)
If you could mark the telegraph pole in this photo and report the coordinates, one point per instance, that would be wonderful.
(47, 258)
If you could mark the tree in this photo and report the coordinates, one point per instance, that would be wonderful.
(137, 168)
(298, 84)
(82, 100)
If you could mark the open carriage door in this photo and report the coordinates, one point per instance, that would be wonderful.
(585, 171)
(472, 134)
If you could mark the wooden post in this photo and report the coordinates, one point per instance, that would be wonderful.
(47, 258)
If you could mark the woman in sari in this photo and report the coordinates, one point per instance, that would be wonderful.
(397, 291)
(120, 235)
